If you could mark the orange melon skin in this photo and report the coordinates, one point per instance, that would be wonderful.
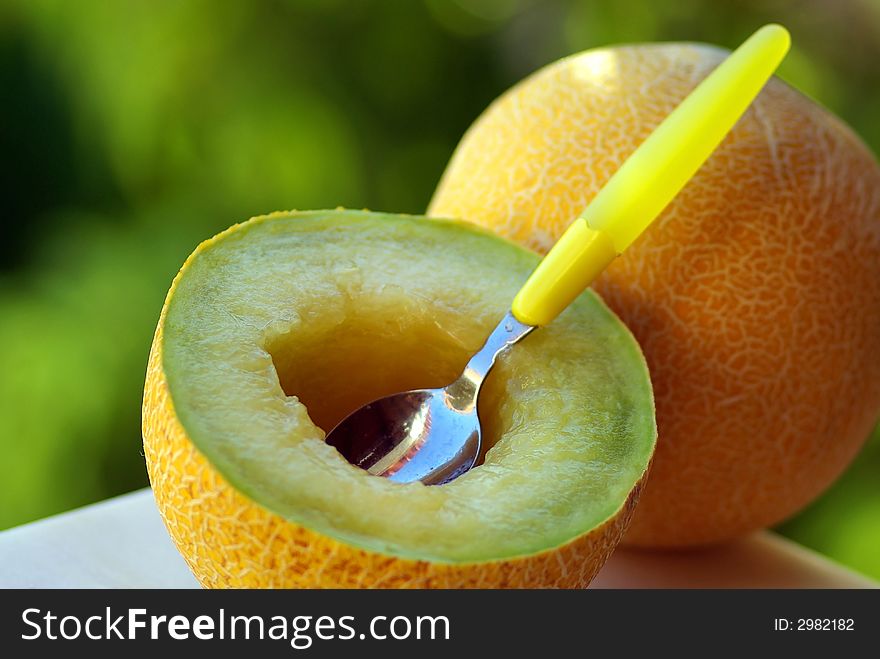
(229, 541)
(755, 296)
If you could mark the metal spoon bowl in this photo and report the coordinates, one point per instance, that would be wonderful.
(428, 435)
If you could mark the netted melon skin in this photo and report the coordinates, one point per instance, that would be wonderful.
(229, 541)
(755, 295)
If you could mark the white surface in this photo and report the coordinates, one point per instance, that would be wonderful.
(118, 543)
(121, 543)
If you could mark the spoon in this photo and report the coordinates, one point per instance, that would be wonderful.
(434, 435)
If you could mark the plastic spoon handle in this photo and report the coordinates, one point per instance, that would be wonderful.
(650, 177)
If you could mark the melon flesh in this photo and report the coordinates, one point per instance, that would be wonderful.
(281, 327)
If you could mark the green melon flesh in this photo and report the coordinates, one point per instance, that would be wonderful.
(281, 326)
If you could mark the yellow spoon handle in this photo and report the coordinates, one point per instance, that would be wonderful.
(650, 178)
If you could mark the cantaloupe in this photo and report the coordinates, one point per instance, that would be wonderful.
(755, 296)
(277, 328)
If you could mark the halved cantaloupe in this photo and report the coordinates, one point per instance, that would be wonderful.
(278, 327)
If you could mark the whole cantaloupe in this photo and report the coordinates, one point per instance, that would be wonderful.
(755, 295)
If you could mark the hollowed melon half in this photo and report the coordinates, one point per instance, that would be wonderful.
(278, 327)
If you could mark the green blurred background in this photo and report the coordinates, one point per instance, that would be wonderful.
(131, 130)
